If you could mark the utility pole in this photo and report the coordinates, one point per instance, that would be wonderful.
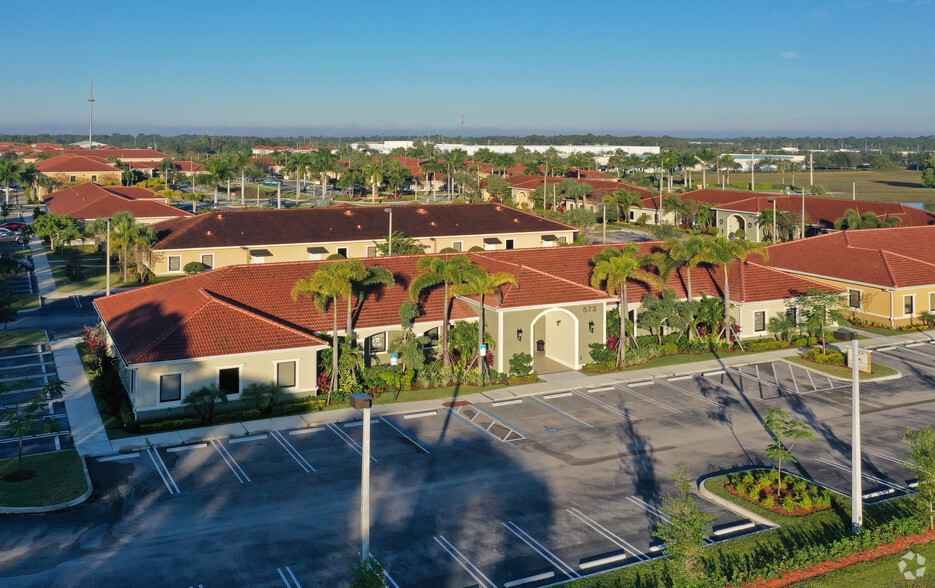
(462, 128)
(91, 118)
(811, 170)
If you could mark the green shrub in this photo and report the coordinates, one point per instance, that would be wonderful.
(194, 267)
(830, 357)
(237, 416)
(169, 425)
(602, 354)
(521, 365)
(669, 348)
(765, 344)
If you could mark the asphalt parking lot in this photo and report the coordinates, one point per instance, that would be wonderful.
(527, 491)
(35, 365)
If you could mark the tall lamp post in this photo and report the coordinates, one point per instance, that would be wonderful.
(773, 200)
(362, 402)
(856, 490)
(389, 238)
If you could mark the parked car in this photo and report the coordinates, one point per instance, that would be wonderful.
(8, 236)
(13, 226)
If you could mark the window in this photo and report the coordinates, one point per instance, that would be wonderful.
(457, 245)
(257, 259)
(792, 314)
(378, 342)
(932, 302)
(908, 304)
(93, 177)
(759, 321)
(510, 244)
(175, 263)
(853, 298)
(72, 178)
(170, 387)
(208, 260)
(562, 239)
(285, 374)
(371, 251)
(432, 334)
(341, 251)
(229, 380)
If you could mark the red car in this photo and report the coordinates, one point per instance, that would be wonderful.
(12, 226)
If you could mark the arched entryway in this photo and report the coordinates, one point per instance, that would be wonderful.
(735, 223)
(554, 341)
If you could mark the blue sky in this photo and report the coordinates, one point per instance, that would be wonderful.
(683, 68)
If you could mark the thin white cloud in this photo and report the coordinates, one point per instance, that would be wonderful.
(789, 55)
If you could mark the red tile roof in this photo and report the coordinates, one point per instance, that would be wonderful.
(345, 223)
(896, 257)
(75, 164)
(90, 201)
(146, 154)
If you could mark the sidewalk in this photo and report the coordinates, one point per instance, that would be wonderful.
(557, 382)
(87, 428)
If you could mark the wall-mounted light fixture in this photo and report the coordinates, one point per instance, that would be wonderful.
(591, 326)
(558, 322)
(519, 334)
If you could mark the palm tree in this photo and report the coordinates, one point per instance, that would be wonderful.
(330, 282)
(614, 267)
(868, 220)
(674, 203)
(324, 161)
(722, 251)
(707, 157)
(687, 161)
(688, 254)
(374, 174)
(483, 283)
(625, 200)
(127, 234)
(10, 171)
(432, 166)
(218, 170)
(451, 272)
(727, 163)
(242, 162)
(457, 160)
(362, 279)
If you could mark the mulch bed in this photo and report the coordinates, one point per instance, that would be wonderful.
(799, 512)
(898, 546)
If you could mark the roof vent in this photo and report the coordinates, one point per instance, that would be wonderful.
(497, 208)
(422, 211)
(432, 223)
(209, 233)
(220, 215)
(358, 227)
(348, 212)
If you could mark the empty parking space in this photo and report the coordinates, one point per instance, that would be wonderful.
(535, 416)
(917, 357)
(451, 427)
(325, 449)
(267, 455)
(787, 378)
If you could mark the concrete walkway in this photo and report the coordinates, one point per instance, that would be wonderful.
(557, 382)
(87, 428)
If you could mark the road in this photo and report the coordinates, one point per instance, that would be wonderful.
(540, 490)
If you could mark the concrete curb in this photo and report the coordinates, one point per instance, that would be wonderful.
(54, 507)
(895, 376)
(727, 504)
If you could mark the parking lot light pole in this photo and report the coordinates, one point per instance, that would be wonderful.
(389, 238)
(363, 402)
(857, 494)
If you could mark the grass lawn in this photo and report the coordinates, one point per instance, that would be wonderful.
(59, 478)
(431, 393)
(896, 186)
(94, 278)
(667, 360)
(22, 337)
(880, 573)
(25, 301)
(844, 372)
(881, 331)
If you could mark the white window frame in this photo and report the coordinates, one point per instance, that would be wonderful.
(93, 177)
(509, 244)
(159, 376)
(239, 368)
(72, 178)
(860, 298)
(169, 264)
(340, 249)
(314, 256)
(372, 251)
(276, 373)
(914, 308)
(932, 302)
(203, 256)
(761, 312)
(458, 246)
(257, 259)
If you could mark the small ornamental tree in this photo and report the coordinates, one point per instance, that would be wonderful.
(820, 310)
(786, 432)
(204, 400)
(24, 419)
(922, 447)
(684, 532)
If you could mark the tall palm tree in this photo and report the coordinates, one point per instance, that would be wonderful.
(127, 234)
(324, 161)
(374, 173)
(330, 282)
(451, 272)
(457, 161)
(686, 254)
(217, 170)
(483, 283)
(625, 200)
(614, 267)
(722, 251)
(10, 171)
(707, 157)
(727, 163)
(241, 163)
(362, 279)
(432, 166)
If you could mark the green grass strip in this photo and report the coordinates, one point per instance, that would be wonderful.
(59, 478)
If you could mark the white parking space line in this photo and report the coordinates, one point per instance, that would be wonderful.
(419, 415)
(686, 392)
(468, 566)
(561, 412)
(408, 435)
(608, 407)
(606, 533)
(179, 448)
(870, 477)
(163, 471)
(241, 475)
(293, 452)
(541, 550)
(795, 381)
(247, 439)
(471, 423)
(651, 400)
(347, 439)
(286, 574)
(904, 463)
(306, 431)
(119, 456)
